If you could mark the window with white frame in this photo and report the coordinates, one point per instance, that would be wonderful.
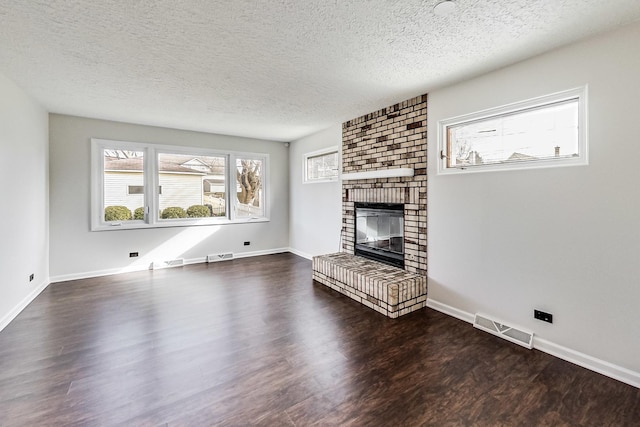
(194, 186)
(249, 199)
(322, 165)
(190, 182)
(541, 132)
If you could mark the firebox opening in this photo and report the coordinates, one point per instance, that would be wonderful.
(380, 232)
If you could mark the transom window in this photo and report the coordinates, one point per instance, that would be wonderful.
(542, 132)
(193, 186)
(322, 165)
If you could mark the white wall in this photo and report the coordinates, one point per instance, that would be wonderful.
(24, 215)
(78, 252)
(564, 240)
(316, 209)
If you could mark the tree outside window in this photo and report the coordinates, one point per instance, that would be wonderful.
(249, 173)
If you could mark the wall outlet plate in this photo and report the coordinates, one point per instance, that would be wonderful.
(541, 315)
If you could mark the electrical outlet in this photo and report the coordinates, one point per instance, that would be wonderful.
(247, 243)
(31, 277)
(133, 254)
(541, 315)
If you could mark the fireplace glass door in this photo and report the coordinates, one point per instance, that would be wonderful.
(380, 232)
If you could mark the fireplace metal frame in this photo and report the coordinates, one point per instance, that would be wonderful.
(384, 256)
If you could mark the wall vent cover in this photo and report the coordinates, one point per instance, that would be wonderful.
(509, 332)
(156, 265)
(220, 257)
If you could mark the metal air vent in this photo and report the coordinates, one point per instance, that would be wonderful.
(509, 332)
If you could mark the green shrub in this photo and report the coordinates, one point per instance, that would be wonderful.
(173, 212)
(117, 213)
(210, 207)
(138, 213)
(198, 211)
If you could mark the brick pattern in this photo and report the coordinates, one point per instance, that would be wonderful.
(388, 290)
(393, 137)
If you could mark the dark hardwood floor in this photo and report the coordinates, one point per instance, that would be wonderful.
(256, 342)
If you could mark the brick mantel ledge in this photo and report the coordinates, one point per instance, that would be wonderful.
(379, 173)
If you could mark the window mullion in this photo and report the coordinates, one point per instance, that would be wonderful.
(151, 184)
(232, 197)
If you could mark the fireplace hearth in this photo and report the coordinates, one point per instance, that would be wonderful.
(380, 232)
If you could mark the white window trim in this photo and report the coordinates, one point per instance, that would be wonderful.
(328, 150)
(231, 178)
(579, 93)
(151, 181)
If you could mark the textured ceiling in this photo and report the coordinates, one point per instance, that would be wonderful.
(271, 69)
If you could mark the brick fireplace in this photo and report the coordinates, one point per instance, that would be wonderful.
(390, 138)
(391, 145)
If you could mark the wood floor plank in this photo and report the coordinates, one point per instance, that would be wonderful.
(256, 342)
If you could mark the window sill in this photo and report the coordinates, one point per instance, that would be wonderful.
(510, 166)
(167, 223)
(321, 181)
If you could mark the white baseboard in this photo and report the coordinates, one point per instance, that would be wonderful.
(13, 313)
(98, 273)
(600, 366)
(129, 269)
(198, 260)
(451, 311)
(260, 253)
(300, 253)
(581, 359)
